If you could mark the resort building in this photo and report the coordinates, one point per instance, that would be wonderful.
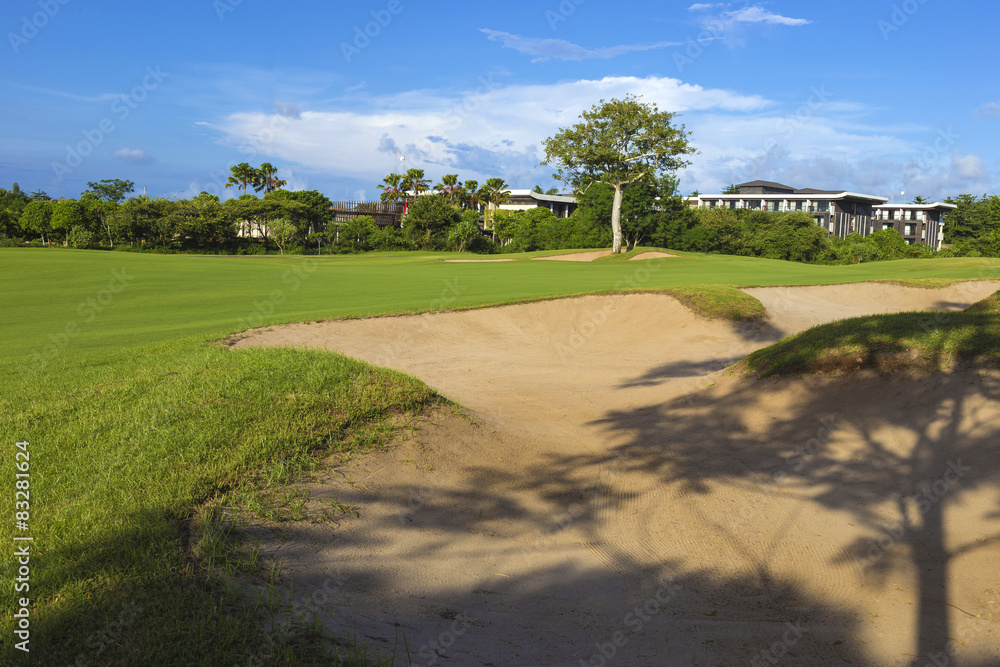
(840, 212)
(562, 206)
(917, 223)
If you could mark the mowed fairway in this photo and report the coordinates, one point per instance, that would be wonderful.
(171, 297)
(138, 421)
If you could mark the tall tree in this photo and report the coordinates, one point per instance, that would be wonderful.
(111, 189)
(449, 187)
(469, 196)
(242, 176)
(37, 217)
(392, 188)
(494, 192)
(731, 189)
(413, 180)
(619, 142)
(266, 179)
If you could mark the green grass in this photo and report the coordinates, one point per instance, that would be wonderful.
(172, 297)
(921, 341)
(146, 436)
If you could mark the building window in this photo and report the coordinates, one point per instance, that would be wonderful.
(909, 230)
(823, 205)
(772, 206)
(732, 204)
(798, 205)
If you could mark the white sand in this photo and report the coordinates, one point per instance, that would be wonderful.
(609, 461)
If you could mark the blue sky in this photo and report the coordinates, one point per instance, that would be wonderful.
(873, 97)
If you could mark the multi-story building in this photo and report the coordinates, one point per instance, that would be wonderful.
(522, 200)
(917, 223)
(840, 212)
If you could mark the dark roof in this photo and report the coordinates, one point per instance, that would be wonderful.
(764, 184)
(814, 191)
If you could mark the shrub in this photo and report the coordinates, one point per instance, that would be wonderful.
(389, 238)
(80, 237)
(427, 221)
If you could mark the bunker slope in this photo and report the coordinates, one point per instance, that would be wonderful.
(618, 499)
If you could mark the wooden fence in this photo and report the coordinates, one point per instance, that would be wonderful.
(384, 214)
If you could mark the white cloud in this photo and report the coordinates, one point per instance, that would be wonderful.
(991, 109)
(134, 156)
(544, 48)
(757, 14)
(496, 130)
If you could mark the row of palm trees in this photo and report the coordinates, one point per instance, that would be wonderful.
(469, 195)
(265, 178)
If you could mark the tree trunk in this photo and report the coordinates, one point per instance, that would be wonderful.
(616, 220)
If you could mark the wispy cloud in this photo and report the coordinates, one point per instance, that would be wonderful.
(89, 99)
(134, 156)
(544, 48)
(990, 109)
(757, 14)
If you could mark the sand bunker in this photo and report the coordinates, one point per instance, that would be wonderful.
(651, 254)
(577, 256)
(618, 501)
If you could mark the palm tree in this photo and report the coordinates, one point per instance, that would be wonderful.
(449, 187)
(267, 179)
(414, 180)
(241, 176)
(470, 194)
(494, 193)
(392, 188)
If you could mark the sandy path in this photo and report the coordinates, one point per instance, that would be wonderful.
(619, 504)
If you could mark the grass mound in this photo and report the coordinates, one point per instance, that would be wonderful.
(127, 446)
(920, 341)
(720, 302)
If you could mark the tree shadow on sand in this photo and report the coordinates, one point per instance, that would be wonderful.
(903, 458)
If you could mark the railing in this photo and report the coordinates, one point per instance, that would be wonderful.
(385, 214)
